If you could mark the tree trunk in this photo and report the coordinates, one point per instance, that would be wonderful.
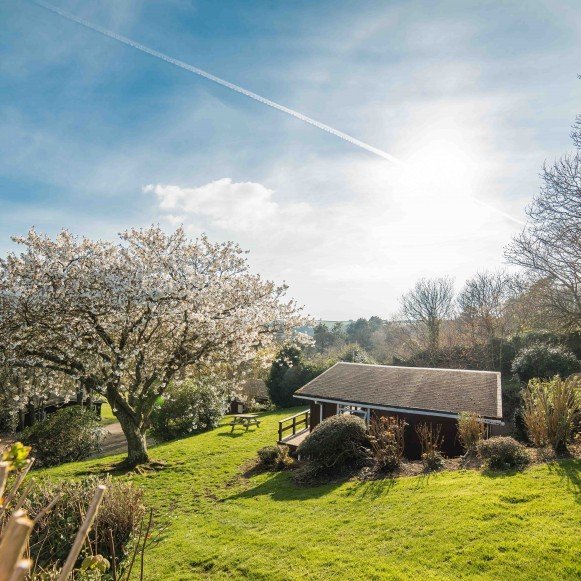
(135, 436)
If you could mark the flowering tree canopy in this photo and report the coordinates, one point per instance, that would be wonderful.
(124, 318)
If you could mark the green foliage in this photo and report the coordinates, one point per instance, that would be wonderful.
(511, 396)
(16, 455)
(571, 340)
(264, 526)
(274, 457)
(361, 331)
(288, 372)
(324, 337)
(543, 362)
(190, 406)
(67, 435)
(337, 443)
(502, 453)
(355, 354)
(120, 512)
(470, 430)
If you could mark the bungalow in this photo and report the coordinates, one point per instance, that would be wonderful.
(415, 394)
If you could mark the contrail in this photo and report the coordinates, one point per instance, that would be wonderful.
(218, 80)
(243, 91)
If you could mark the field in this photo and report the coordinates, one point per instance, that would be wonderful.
(223, 525)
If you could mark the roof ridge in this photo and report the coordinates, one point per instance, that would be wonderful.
(422, 368)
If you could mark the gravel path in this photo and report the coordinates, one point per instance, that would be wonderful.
(114, 441)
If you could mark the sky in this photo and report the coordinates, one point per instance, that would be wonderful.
(472, 97)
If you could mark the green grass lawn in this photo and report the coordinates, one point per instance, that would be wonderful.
(107, 416)
(449, 525)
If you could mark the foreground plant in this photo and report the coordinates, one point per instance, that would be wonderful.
(431, 440)
(125, 319)
(337, 444)
(502, 452)
(471, 430)
(16, 527)
(52, 531)
(550, 410)
(386, 439)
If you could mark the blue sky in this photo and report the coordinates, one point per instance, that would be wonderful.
(473, 96)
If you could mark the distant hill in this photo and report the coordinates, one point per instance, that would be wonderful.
(329, 324)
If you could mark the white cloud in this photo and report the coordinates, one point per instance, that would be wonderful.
(235, 207)
(348, 257)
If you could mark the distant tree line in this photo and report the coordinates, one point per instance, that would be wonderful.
(525, 324)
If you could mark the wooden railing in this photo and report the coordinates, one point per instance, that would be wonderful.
(292, 423)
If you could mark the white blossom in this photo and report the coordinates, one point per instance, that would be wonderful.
(126, 318)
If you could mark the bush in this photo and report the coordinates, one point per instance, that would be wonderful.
(68, 435)
(274, 457)
(502, 452)
(544, 362)
(431, 441)
(188, 407)
(121, 512)
(337, 443)
(356, 354)
(470, 430)
(288, 372)
(386, 439)
(550, 411)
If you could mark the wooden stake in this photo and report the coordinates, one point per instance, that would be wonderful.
(4, 469)
(48, 507)
(14, 539)
(12, 493)
(21, 571)
(82, 534)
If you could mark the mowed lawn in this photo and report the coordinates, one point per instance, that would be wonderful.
(222, 525)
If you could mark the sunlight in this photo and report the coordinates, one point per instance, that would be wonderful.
(445, 167)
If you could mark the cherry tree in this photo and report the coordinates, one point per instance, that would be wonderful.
(125, 319)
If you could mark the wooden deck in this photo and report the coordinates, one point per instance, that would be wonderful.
(294, 440)
(298, 426)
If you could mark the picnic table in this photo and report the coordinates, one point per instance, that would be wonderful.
(244, 420)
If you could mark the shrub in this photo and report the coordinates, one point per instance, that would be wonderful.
(544, 362)
(386, 439)
(356, 354)
(288, 372)
(431, 441)
(336, 443)
(274, 457)
(470, 430)
(188, 407)
(502, 452)
(550, 411)
(68, 435)
(120, 513)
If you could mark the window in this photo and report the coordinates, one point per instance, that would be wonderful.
(353, 410)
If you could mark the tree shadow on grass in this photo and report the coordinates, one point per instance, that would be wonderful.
(372, 489)
(569, 471)
(504, 473)
(231, 434)
(280, 486)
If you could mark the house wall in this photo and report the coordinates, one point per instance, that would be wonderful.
(450, 447)
(329, 409)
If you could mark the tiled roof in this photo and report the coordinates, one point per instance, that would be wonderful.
(418, 388)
